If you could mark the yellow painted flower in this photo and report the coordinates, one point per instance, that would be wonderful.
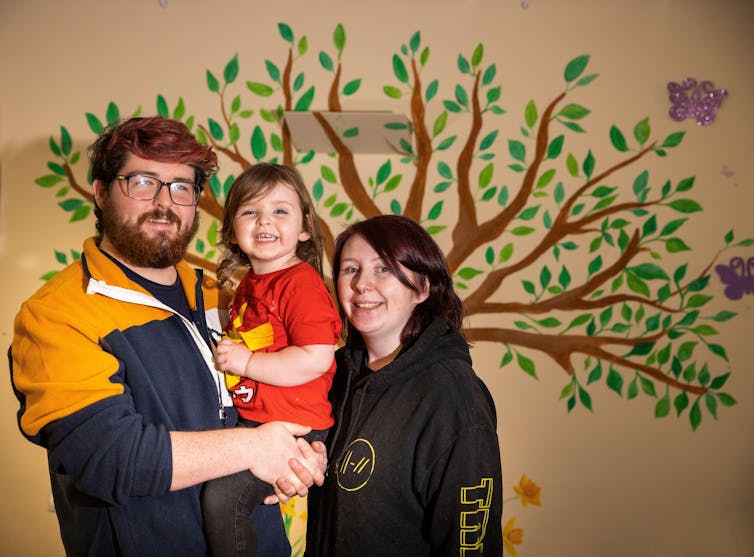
(512, 537)
(528, 491)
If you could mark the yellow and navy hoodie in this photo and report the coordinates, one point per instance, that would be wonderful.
(103, 372)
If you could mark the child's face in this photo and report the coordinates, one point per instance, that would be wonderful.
(268, 229)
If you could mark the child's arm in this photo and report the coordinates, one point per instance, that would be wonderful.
(288, 367)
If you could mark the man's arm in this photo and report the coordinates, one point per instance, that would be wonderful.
(269, 451)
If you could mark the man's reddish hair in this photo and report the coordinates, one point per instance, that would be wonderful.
(156, 138)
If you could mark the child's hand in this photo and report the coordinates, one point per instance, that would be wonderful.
(232, 357)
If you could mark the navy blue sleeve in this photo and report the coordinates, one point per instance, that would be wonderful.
(109, 453)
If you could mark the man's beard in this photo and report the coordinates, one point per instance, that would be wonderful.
(135, 248)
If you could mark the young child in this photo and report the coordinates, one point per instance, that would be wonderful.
(279, 344)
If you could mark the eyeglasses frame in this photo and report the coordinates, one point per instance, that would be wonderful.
(197, 189)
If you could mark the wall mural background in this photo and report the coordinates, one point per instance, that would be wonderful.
(579, 247)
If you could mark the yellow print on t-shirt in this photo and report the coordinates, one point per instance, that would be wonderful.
(476, 501)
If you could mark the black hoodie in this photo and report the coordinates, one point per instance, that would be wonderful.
(414, 463)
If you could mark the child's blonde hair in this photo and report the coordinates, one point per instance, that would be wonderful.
(253, 183)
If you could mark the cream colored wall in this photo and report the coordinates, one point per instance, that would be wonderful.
(616, 482)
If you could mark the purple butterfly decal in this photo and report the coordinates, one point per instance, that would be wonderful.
(738, 276)
(692, 100)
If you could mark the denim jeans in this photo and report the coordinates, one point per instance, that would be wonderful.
(227, 505)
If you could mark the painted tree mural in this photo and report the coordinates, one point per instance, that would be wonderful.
(633, 321)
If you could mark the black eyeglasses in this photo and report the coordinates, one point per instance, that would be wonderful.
(147, 188)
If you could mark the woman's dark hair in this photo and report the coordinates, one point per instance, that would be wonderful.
(400, 241)
(252, 183)
(155, 138)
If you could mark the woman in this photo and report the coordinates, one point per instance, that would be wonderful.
(414, 456)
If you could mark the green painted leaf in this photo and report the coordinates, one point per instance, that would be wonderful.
(431, 90)
(424, 57)
(572, 165)
(697, 300)
(476, 57)
(485, 176)
(595, 265)
(674, 139)
(633, 390)
(328, 174)
(574, 112)
(618, 139)
(444, 170)
(352, 87)
(113, 114)
(681, 402)
(662, 408)
(399, 69)
(686, 184)
(234, 133)
(451, 106)
(489, 75)
(718, 350)
(695, 416)
(522, 230)
(724, 316)
(686, 350)
(615, 381)
(649, 271)
(215, 130)
(517, 150)
(463, 64)
(285, 32)
(258, 144)
(488, 140)
(685, 205)
(526, 365)
(642, 131)
(325, 61)
(259, 89)
(647, 386)
(212, 83)
(461, 96)
(588, 165)
(674, 245)
(555, 147)
(415, 42)
(305, 100)
(672, 226)
(338, 209)
(586, 80)
(585, 399)
(489, 255)
(230, 73)
(505, 253)
(272, 70)
(162, 107)
(435, 211)
(447, 143)
(636, 284)
(575, 68)
(726, 399)
(339, 37)
(468, 273)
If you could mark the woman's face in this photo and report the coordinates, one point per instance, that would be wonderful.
(375, 302)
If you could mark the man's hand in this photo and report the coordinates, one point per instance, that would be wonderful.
(310, 470)
(232, 357)
(273, 445)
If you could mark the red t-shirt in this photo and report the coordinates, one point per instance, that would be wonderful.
(269, 312)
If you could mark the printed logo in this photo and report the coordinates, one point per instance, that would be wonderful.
(476, 502)
(357, 465)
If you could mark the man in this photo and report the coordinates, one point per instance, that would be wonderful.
(112, 364)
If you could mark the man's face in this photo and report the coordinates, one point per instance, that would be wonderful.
(147, 233)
